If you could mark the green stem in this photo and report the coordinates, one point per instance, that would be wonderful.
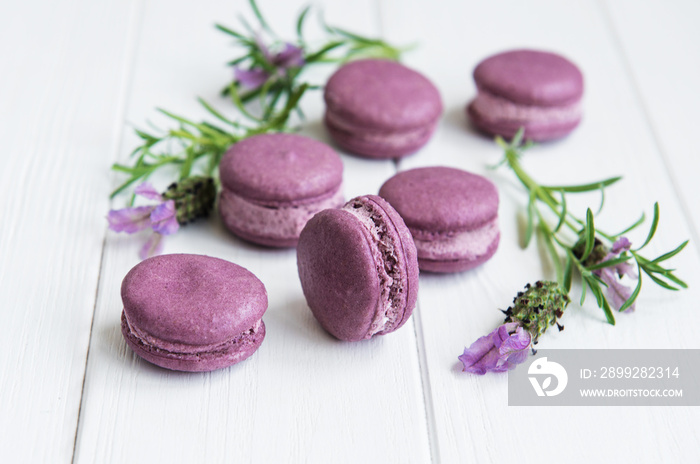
(543, 194)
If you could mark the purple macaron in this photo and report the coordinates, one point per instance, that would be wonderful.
(358, 269)
(380, 109)
(537, 90)
(452, 215)
(273, 183)
(192, 313)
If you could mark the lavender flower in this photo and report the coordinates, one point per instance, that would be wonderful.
(290, 56)
(182, 202)
(250, 78)
(617, 293)
(499, 351)
(533, 311)
(160, 217)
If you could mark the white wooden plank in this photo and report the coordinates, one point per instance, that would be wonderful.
(303, 397)
(661, 46)
(472, 421)
(61, 87)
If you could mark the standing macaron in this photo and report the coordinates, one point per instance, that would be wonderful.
(537, 90)
(358, 269)
(273, 183)
(192, 313)
(380, 109)
(452, 215)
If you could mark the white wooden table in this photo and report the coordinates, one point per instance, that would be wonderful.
(76, 75)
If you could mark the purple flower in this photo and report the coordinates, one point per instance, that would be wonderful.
(160, 217)
(250, 78)
(290, 56)
(499, 351)
(616, 292)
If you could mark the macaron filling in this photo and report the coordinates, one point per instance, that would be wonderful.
(464, 245)
(388, 139)
(180, 351)
(384, 246)
(283, 222)
(494, 108)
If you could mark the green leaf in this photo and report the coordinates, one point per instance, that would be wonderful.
(633, 226)
(327, 48)
(584, 187)
(530, 220)
(176, 117)
(609, 263)
(671, 254)
(186, 168)
(216, 114)
(608, 312)
(595, 289)
(239, 104)
(229, 31)
(654, 225)
(602, 200)
(562, 216)
(675, 279)
(300, 22)
(659, 282)
(259, 15)
(500, 142)
(568, 272)
(357, 38)
(517, 138)
(237, 61)
(556, 259)
(635, 293)
(589, 234)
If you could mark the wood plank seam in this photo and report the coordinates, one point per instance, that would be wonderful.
(658, 145)
(428, 407)
(133, 32)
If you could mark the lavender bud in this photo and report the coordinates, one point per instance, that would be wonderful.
(538, 307)
(194, 197)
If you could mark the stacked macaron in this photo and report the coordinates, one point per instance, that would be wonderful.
(192, 313)
(452, 215)
(272, 184)
(380, 108)
(539, 91)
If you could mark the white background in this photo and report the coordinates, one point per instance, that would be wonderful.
(77, 75)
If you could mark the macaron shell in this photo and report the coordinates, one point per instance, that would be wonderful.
(201, 362)
(537, 132)
(382, 95)
(281, 169)
(438, 200)
(338, 274)
(530, 77)
(192, 300)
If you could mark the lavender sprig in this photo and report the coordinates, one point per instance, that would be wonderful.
(270, 68)
(534, 310)
(196, 148)
(182, 203)
(601, 259)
